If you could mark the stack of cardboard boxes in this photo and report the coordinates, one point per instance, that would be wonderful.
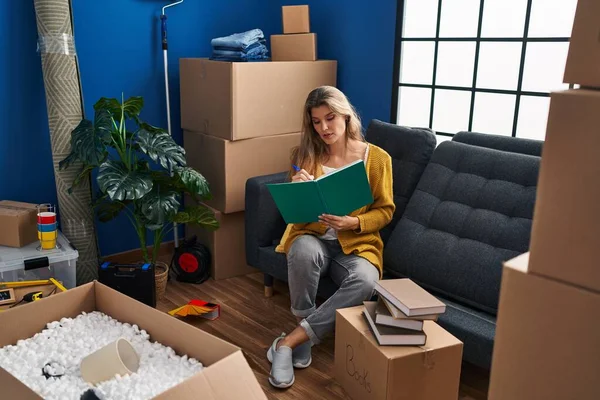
(240, 120)
(297, 42)
(547, 343)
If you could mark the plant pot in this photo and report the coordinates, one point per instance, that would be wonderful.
(161, 273)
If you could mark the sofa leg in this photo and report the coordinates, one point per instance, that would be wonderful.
(268, 285)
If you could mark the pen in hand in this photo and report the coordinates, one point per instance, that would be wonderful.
(301, 175)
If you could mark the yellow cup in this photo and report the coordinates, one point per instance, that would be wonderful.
(48, 244)
(44, 236)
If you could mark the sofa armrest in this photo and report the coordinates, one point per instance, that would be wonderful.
(263, 222)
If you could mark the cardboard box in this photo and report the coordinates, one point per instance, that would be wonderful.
(583, 58)
(248, 99)
(547, 343)
(19, 223)
(566, 220)
(227, 245)
(295, 47)
(368, 371)
(296, 19)
(226, 375)
(227, 165)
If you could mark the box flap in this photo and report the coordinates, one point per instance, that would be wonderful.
(67, 304)
(163, 328)
(8, 207)
(12, 388)
(195, 387)
(232, 378)
(519, 263)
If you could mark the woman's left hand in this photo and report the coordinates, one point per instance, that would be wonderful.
(344, 223)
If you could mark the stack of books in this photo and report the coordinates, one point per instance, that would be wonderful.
(398, 317)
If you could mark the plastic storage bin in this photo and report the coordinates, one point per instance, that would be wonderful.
(28, 263)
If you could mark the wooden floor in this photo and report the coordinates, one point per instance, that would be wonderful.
(251, 322)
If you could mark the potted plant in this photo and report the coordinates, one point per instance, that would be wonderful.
(141, 172)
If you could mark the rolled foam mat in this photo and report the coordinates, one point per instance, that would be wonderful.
(65, 111)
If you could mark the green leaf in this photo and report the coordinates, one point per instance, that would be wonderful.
(87, 144)
(108, 211)
(103, 125)
(121, 184)
(131, 107)
(67, 161)
(194, 181)
(158, 207)
(83, 174)
(161, 148)
(152, 129)
(200, 215)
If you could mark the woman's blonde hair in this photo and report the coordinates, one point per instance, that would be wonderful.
(312, 149)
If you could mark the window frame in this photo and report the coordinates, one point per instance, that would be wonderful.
(473, 89)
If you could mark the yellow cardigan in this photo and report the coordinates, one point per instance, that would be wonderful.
(364, 241)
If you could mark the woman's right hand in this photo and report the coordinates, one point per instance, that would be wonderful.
(302, 176)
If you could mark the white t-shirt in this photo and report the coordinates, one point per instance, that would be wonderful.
(331, 234)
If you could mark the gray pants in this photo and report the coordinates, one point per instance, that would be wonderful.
(310, 258)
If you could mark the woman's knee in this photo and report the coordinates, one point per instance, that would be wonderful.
(305, 250)
(364, 278)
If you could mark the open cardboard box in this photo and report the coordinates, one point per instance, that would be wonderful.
(226, 373)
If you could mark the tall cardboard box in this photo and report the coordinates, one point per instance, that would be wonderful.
(368, 371)
(547, 343)
(226, 373)
(565, 237)
(583, 58)
(295, 47)
(227, 245)
(227, 165)
(296, 19)
(18, 223)
(242, 100)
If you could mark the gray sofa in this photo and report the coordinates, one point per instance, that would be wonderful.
(462, 208)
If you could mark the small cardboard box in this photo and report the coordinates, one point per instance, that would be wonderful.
(242, 100)
(368, 371)
(227, 165)
(294, 47)
(227, 245)
(296, 19)
(547, 343)
(226, 375)
(19, 223)
(566, 220)
(583, 58)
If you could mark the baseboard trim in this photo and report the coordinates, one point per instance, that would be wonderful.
(133, 256)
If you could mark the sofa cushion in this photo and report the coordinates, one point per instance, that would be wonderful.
(410, 150)
(499, 142)
(471, 211)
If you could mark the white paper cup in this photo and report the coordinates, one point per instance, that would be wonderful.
(118, 357)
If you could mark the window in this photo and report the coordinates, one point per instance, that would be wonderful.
(480, 65)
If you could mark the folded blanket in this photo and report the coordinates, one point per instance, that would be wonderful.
(240, 40)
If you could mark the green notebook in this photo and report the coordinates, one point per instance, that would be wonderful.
(338, 193)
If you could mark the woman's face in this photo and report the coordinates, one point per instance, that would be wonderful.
(330, 126)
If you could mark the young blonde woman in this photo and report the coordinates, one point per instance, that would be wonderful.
(346, 247)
